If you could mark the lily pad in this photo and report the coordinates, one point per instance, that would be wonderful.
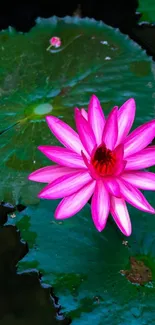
(147, 8)
(34, 82)
(100, 277)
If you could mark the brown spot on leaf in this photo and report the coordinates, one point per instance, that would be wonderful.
(139, 273)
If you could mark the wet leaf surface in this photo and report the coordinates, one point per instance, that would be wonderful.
(34, 82)
(85, 266)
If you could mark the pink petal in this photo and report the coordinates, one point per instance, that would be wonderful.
(96, 118)
(120, 163)
(85, 132)
(63, 156)
(112, 187)
(72, 204)
(139, 138)
(84, 113)
(120, 167)
(65, 185)
(65, 134)
(120, 214)
(49, 174)
(100, 205)
(126, 116)
(133, 196)
(142, 180)
(119, 152)
(142, 159)
(110, 131)
(91, 169)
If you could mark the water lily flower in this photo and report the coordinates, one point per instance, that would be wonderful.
(103, 161)
(54, 41)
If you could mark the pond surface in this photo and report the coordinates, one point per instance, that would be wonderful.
(104, 277)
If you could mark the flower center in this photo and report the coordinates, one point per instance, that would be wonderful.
(103, 161)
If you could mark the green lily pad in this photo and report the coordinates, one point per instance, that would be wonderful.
(147, 8)
(34, 82)
(92, 272)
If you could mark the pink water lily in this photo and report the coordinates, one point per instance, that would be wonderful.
(101, 161)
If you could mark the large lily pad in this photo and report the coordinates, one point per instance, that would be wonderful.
(101, 278)
(147, 8)
(94, 58)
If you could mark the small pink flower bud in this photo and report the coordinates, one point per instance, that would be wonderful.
(55, 41)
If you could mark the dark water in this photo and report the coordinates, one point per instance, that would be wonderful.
(23, 299)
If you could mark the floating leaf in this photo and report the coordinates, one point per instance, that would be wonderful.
(147, 8)
(34, 82)
(100, 277)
